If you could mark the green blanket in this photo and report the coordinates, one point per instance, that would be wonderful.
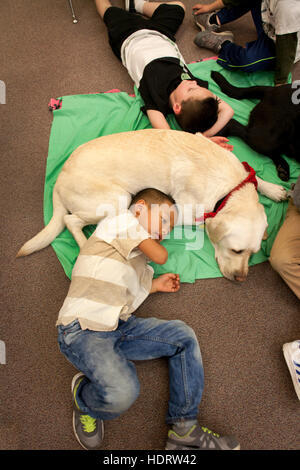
(86, 117)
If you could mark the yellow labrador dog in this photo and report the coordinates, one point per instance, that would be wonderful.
(191, 168)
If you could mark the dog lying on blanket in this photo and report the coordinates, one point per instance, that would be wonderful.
(191, 168)
(274, 124)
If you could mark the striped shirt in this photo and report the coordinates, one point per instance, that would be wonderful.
(111, 277)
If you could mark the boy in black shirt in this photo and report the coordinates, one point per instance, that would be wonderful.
(147, 48)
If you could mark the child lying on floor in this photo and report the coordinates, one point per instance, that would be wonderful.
(147, 48)
(100, 336)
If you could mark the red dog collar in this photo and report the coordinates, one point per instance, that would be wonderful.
(250, 179)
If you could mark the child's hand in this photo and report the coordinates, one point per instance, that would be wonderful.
(166, 283)
(222, 141)
(201, 8)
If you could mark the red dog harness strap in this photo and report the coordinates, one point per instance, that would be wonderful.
(251, 178)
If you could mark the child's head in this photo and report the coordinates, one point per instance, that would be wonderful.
(156, 212)
(195, 107)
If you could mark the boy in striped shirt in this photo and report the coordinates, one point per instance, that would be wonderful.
(100, 336)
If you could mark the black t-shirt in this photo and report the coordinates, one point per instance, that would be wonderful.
(160, 78)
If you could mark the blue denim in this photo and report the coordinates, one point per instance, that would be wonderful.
(257, 55)
(111, 386)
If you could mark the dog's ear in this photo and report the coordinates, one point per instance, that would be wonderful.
(216, 229)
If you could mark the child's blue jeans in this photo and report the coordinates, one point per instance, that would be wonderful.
(257, 55)
(111, 385)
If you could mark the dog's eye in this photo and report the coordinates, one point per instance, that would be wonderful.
(238, 252)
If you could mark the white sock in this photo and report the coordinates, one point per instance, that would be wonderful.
(139, 5)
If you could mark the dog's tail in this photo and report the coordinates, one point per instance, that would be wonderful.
(50, 232)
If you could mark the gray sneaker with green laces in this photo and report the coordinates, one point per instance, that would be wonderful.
(88, 431)
(200, 438)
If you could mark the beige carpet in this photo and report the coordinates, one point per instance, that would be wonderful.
(241, 328)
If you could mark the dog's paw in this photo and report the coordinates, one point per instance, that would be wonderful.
(273, 191)
(277, 193)
(283, 173)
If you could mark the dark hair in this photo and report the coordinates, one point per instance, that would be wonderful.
(152, 196)
(198, 115)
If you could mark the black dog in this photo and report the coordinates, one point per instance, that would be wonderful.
(273, 128)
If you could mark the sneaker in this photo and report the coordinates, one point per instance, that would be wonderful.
(200, 438)
(291, 353)
(211, 40)
(203, 22)
(130, 6)
(88, 431)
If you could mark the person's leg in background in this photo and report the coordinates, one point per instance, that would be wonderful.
(285, 259)
(256, 55)
(285, 253)
(226, 15)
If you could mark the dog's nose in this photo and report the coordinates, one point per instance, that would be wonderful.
(240, 278)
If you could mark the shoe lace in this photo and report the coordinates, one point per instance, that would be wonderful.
(88, 423)
(208, 431)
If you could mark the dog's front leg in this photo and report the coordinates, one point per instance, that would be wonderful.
(282, 167)
(273, 191)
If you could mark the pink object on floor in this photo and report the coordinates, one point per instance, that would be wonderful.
(54, 104)
(114, 90)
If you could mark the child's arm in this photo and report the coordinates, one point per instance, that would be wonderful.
(203, 8)
(224, 115)
(157, 119)
(153, 250)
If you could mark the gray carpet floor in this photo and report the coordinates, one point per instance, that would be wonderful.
(241, 328)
